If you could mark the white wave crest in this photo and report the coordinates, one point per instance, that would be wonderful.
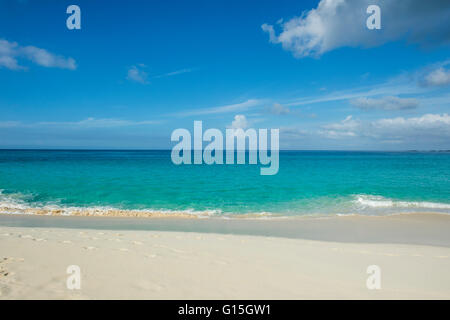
(371, 201)
(15, 204)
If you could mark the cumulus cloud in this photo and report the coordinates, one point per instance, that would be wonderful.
(11, 52)
(428, 127)
(438, 77)
(136, 74)
(239, 122)
(342, 23)
(346, 128)
(385, 103)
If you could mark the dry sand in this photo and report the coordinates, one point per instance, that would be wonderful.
(154, 264)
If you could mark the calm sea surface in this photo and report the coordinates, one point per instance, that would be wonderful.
(308, 182)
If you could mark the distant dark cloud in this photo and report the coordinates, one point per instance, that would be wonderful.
(385, 103)
(342, 23)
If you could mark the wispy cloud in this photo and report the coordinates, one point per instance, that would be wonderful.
(85, 123)
(100, 123)
(174, 73)
(9, 124)
(238, 107)
(138, 74)
(386, 89)
(11, 52)
(279, 109)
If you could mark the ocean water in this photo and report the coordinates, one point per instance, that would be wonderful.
(308, 183)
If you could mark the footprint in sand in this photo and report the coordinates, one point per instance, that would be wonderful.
(89, 248)
(26, 236)
(137, 243)
(169, 248)
(391, 254)
(66, 241)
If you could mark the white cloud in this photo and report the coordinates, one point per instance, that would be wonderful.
(385, 103)
(136, 74)
(429, 127)
(438, 77)
(239, 122)
(342, 23)
(427, 121)
(10, 52)
(346, 128)
(46, 59)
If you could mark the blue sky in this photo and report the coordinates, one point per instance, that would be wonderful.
(137, 70)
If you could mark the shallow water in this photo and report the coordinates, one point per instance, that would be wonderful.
(308, 183)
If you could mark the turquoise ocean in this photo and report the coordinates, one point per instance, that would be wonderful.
(308, 183)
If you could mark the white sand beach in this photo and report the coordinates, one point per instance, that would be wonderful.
(155, 264)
